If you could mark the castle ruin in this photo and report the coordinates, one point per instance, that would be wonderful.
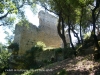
(45, 32)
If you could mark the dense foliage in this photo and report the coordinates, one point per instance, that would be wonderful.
(4, 60)
(30, 57)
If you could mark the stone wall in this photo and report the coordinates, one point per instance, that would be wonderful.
(45, 32)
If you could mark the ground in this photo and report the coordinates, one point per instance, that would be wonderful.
(74, 66)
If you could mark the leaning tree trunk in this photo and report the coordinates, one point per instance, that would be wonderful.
(69, 28)
(70, 34)
(60, 29)
(70, 38)
(76, 35)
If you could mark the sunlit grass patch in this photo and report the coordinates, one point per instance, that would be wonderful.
(48, 48)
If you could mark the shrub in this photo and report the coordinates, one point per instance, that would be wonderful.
(29, 60)
(4, 55)
(40, 44)
(62, 72)
(58, 50)
(30, 72)
(14, 47)
(68, 52)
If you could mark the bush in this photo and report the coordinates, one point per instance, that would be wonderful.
(68, 52)
(62, 72)
(58, 50)
(28, 73)
(29, 57)
(14, 47)
(65, 52)
(40, 44)
(28, 60)
(4, 55)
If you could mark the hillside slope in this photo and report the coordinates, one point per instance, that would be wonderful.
(73, 66)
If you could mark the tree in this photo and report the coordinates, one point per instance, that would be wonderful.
(94, 21)
(14, 47)
(73, 12)
(10, 11)
(60, 29)
(11, 7)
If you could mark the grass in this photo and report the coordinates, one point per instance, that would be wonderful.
(48, 48)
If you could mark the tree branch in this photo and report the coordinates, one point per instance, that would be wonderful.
(97, 15)
(1, 17)
(5, 15)
(49, 10)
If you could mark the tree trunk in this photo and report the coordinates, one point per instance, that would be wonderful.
(60, 29)
(81, 25)
(61, 32)
(94, 35)
(97, 53)
(76, 35)
(81, 34)
(94, 26)
(70, 34)
(70, 38)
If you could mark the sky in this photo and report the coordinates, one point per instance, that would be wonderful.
(33, 18)
(2, 35)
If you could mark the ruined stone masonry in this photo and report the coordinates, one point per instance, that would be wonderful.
(45, 32)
